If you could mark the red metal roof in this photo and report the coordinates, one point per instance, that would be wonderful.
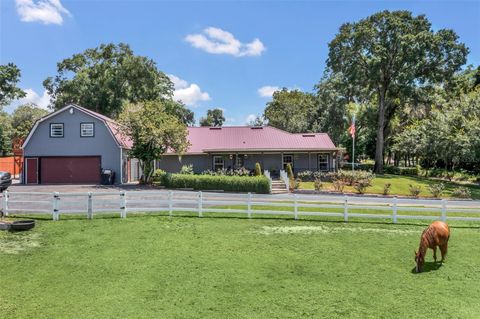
(247, 138)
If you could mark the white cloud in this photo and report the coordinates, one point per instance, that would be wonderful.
(217, 41)
(45, 11)
(267, 91)
(31, 97)
(190, 94)
(250, 118)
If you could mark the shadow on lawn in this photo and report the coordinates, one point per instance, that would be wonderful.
(428, 266)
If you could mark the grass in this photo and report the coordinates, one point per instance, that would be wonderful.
(154, 266)
(400, 186)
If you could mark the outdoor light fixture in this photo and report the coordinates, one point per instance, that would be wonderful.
(71, 110)
(231, 156)
(245, 156)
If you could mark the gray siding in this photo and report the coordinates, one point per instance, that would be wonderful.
(173, 164)
(102, 144)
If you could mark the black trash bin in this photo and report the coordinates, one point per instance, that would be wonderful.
(108, 176)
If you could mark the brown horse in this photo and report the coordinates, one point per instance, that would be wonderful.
(437, 234)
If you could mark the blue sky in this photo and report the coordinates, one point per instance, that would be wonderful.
(265, 44)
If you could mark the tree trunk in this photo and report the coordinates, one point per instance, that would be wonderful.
(380, 137)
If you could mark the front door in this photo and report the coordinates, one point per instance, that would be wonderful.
(32, 170)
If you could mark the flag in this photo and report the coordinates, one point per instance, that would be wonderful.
(351, 129)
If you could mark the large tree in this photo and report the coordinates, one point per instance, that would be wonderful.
(153, 132)
(9, 77)
(24, 117)
(214, 118)
(391, 54)
(5, 134)
(103, 78)
(293, 111)
(180, 111)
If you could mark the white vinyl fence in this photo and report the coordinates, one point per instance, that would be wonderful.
(345, 207)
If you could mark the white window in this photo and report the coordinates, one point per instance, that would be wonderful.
(87, 130)
(287, 159)
(56, 130)
(218, 163)
(323, 162)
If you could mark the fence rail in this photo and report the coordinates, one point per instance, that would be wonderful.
(345, 207)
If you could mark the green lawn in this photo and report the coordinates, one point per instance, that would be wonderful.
(400, 186)
(185, 267)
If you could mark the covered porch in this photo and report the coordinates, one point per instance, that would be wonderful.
(274, 162)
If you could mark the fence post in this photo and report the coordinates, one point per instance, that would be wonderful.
(123, 205)
(5, 203)
(295, 206)
(200, 204)
(170, 203)
(444, 209)
(55, 214)
(395, 210)
(89, 206)
(249, 205)
(345, 208)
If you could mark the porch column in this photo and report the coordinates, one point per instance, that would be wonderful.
(261, 159)
(308, 160)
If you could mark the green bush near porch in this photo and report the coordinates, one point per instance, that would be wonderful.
(254, 184)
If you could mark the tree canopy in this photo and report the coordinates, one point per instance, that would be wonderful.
(387, 57)
(9, 77)
(106, 77)
(153, 132)
(293, 111)
(214, 118)
(24, 117)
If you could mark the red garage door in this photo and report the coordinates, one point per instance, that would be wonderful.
(66, 170)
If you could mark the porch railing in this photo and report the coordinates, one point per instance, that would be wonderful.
(267, 175)
(285, 179)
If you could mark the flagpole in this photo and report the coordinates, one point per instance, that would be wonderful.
(353, 152)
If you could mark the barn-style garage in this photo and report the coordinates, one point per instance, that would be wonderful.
(72, 146)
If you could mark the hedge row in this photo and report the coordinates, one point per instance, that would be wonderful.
(256, 184)
(387, 169)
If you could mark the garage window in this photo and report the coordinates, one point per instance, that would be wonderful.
(87, 130)
(56, 130)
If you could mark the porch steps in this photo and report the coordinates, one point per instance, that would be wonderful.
(278, 187)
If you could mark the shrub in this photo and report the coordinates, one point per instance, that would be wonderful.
(297, 183)
(258, 169)
(395, 170)
(415, 190)
(352, 177)
(305, 176)
(436, 189)
(318, 184)
(187, 169)
(257, 184)
(242, 171)
(461, 192)
(362, 184)
(158, 175)
(386, 188)
(338, 185)
(289, 171)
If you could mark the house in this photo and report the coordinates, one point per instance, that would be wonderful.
(214, 148)
(73, 145)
